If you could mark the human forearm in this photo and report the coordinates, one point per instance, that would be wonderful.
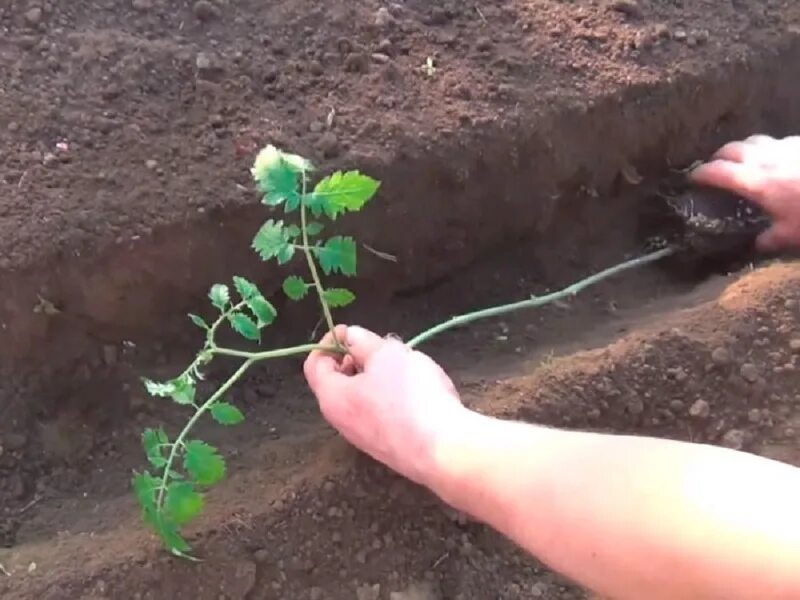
(629, 517)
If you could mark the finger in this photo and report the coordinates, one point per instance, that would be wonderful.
(733, 152)
(320, 367)
(746, 180)
(362, 344)
(348, 365)
(330, 338)
(760, 139)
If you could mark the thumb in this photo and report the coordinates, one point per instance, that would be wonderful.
(362, 344)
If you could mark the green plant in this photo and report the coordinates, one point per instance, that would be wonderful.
(182, 468)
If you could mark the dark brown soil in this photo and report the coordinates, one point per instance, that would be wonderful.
(128, 128)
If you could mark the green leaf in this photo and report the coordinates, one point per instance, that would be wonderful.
(182, 503)
(273, 241)
(263, 310)
(286, 254)
(293, 231)
(220, 295)
(199, 322)
(226, 414)
(144, 488)
(314, 228)
(295, 288)
(181, 390)
(276, 174)
(245, 288)
(341, 192)
(338, 297)
(154, 442)
(203, 463)
(161, 390)
(167, 530)
(245, 326)
(184, 390)
(338, 254)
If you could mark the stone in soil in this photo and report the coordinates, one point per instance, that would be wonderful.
(205, 11)
(749, 372)
(700, 409)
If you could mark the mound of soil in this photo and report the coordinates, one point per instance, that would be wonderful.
(526, 159)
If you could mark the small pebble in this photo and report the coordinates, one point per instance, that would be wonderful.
(720, 356)
(151, 164)
(754, 415)
(795, 345)
(733, 439)
(205, 10)
(33, 16)
(749, 372)
(142, 5)
(700, 409)
(629, 8)
(329, 144)
(356, 62)
(384, 19)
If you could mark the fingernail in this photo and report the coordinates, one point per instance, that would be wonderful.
(356, 335)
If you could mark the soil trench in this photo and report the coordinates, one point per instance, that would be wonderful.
(534, 179)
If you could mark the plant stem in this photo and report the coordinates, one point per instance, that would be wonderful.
(535, 301)
(312, 266)
(279, 353)
(188, 427)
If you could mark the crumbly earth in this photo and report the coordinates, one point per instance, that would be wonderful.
(528, 158)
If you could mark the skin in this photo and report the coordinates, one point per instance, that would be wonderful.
(626, 517)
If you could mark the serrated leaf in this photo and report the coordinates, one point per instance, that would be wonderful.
(338, 254)
(220, 295)
(314, 228)
(203, 463)
(293, 231)
(277, 174)
(184, 390)
(197, 320)
(338, 297)
(161, 390)
(246, 289)
(144, 488)
(273, 241)
(226, 414)
(167, 530)
(263, 310)
(182, 503)
(154, 441)
(295, 288)
(341, 192)
(245, 326)
(286, 254)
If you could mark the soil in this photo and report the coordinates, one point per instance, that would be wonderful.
(531, 157)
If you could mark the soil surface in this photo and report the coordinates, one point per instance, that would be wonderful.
(531, 156)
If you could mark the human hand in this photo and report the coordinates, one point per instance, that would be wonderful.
(389, 401)
(766, 171)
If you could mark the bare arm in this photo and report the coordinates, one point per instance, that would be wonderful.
(626, 517)
(630, 517)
